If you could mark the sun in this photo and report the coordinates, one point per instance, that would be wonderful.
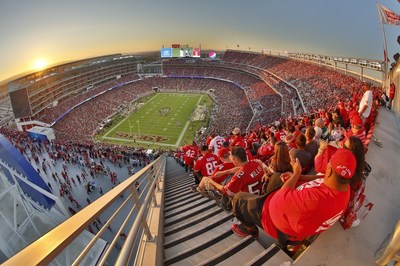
(40, 64)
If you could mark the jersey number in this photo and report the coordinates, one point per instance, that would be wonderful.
(252, 189)
(190, 153)
(210, 166)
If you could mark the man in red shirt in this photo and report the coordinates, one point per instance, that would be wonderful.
(302, 207)
(190, 153)
(223, 155)
(247, 179)
(236, 137)
(205, 165)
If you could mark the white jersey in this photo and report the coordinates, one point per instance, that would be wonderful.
(216, 144)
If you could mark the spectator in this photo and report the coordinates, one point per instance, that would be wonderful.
(365, 107)
(355, 145)
(247, 179)
(298, 210)
(267, 149)
(280, 161)
(204, 166)
(356, 129)
(301, 153)
(190, 153)
(216, 143)
(236, 137)
(224, 157)
(392, 92)
(311, 144)
(319, 122)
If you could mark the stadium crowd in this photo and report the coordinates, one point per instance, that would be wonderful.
(290, 152)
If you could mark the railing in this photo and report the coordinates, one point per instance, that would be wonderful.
(133, 212)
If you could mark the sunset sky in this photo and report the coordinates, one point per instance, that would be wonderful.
(51, 31)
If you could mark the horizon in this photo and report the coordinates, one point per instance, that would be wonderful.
(82, 30)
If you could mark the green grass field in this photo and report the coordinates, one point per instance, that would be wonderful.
(163, 120)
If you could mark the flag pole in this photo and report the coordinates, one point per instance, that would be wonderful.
(384, 47)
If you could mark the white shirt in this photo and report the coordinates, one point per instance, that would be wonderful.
(366, 100)
(216, 144)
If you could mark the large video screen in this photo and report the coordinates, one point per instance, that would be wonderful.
(180, 51)
(20, 103)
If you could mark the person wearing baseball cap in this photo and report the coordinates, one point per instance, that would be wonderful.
(302, 207)
(357, 129)
(236, 137)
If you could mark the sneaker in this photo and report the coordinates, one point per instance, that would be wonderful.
(242, 231)
(205, 194)
(214, 195)
(193, 188)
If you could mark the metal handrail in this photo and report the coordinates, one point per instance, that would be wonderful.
(44, 250)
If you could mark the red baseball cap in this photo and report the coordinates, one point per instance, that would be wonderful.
(344, 163)
(223, 152)
(241, 144)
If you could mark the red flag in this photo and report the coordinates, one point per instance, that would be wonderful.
(388, 16)
(385, 57)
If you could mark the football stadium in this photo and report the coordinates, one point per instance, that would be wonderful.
(194, 156)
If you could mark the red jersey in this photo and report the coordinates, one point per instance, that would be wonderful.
(280, 135)
(251, 138)
(235, 140)
(266, 150)
(190, 153)
(206, 164)
(249, 155)
(219, 168)
(309, 209)
(247, 179)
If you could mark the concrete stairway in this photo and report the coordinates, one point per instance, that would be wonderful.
(197, 232)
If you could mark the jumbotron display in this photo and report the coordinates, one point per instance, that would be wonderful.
(180, 51)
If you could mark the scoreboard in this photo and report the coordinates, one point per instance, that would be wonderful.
(180, 51)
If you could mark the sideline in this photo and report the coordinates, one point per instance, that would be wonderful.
(186, 126)
(105, 136)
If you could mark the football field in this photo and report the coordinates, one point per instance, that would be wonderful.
(164, 120)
